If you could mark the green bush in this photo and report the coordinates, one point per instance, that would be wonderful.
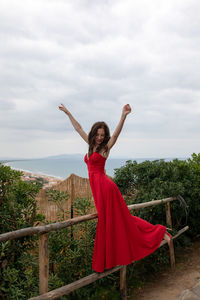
(71, 249)
(19, 265)
(151, 180)
(159, 179)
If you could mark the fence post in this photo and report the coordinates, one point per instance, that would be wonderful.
(43, 262)
(72, 198)
(123, 289)
(168, 215)
(171, 246)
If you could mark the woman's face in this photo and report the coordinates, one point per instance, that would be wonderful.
(100, 136)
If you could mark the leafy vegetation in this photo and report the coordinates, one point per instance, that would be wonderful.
(141, 182)
(19, 267)
(160, 179)
(71, 249)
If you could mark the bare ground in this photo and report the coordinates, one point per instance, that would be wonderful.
(168, 285)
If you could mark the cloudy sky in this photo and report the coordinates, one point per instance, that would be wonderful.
(95, 56)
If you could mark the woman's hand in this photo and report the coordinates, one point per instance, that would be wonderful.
(126, 110)
(63, 108)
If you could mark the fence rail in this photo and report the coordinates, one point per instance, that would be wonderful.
(43, 232)
(60, 225)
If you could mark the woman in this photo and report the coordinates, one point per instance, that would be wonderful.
(120, 237)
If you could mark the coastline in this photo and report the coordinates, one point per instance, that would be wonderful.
(48, 181)
(57, 168)
(52, 171)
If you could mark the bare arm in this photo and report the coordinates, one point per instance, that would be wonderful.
(126, 110)
(75, 124)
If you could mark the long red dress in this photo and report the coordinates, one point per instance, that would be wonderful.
(120, 237)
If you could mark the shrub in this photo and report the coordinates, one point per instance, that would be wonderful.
(159, 179)
(19, 267)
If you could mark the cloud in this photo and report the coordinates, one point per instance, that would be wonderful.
(95, 57)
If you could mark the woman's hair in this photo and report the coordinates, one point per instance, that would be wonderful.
(92, 136)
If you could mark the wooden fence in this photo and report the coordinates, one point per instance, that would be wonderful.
(75, 186)
(43, 231)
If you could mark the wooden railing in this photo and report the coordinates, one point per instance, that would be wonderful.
(43, 232)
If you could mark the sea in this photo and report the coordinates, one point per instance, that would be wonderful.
(61, 167)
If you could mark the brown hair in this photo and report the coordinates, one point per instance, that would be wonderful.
(92, 136)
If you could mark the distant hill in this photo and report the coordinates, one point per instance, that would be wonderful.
(61, 156)
(8, 159)
(65, 156)
(79, 156)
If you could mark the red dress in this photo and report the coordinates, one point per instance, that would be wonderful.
(120, 237)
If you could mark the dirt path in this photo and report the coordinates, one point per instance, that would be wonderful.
(168, 285)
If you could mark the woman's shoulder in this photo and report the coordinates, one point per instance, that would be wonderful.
(104, 152)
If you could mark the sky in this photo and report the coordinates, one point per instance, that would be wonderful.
(94, 57)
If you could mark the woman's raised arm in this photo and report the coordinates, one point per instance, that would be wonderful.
(75, 124)
(126, 110)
